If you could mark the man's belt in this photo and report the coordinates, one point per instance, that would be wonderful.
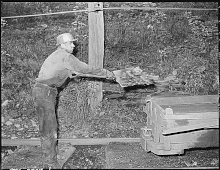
(52, 82)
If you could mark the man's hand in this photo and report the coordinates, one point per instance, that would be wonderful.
(111, 76)
(72, 75)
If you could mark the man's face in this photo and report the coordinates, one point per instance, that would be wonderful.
(68, 46)
(76, 48)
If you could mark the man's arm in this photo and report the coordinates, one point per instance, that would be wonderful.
(76, 66)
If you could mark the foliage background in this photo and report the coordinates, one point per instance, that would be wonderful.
(160, 41)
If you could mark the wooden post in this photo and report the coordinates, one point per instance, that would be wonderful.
(96, 49)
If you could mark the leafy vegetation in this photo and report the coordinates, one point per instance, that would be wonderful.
(159, 40)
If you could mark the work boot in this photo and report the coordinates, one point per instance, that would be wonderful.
(65, 151)
(49, 150)
(53, 164)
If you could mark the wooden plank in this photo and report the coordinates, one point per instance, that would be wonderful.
(192, 108)
(186, 100)
(96, 49)
(189, 122)
(89, 141)
(210, 124)
(206, 116)
(158, 148)
(170, 124)
(192, 138)
(160, 110)
(180, 141)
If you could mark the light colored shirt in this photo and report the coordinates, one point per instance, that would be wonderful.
(60, 65)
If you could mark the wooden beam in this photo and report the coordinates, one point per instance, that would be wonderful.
(89, 141)
(96, 48)
(186, 100)
(210, 124)
(199, 116)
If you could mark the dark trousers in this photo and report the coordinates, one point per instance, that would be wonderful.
(45, 98)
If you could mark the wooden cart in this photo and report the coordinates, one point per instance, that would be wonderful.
(178, 123)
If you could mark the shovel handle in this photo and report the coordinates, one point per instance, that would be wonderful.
(86, 75)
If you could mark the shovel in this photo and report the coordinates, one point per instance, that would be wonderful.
(128, 77)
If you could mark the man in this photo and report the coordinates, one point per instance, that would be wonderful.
(54, 74)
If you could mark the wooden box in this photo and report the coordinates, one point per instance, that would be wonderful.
(178, 123)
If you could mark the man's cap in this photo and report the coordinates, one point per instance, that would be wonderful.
(65, 37)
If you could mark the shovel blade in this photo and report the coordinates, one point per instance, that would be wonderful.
(133, 76)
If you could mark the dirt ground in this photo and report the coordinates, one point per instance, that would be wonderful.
(132, 155)
(123, 117)
(115, 156)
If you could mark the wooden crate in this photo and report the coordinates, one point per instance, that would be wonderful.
(178, 123)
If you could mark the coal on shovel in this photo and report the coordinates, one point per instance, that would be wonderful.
(135, 76)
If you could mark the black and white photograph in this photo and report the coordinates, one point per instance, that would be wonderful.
(109, 85)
